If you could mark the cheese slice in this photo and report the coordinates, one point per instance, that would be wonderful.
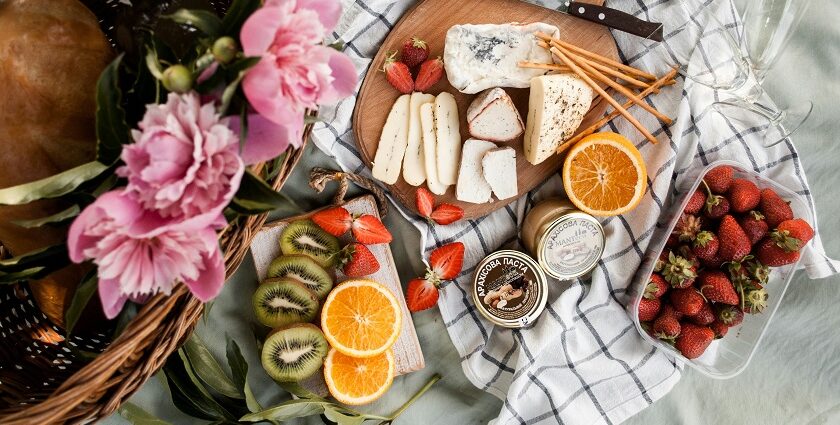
(556, 107)
(492, 116)
(472, 187)
(477, 57)
(427, 125)
(448, 136)
(414, 165)
(499, 168)
(392, 143)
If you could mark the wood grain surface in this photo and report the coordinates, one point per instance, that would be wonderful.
(430, 20)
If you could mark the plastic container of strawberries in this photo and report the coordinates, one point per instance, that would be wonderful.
(726, 357)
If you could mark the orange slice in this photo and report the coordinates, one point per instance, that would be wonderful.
(361, 318)
(358, 381)
(604, 175)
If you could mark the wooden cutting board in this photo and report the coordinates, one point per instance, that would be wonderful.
(429, 20)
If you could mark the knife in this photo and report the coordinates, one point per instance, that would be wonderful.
(613, 18)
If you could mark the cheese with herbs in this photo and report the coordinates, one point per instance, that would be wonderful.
(556, 107)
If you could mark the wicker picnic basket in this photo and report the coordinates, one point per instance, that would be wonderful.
(47, 376)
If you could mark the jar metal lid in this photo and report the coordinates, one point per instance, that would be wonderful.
(510, 289)
(571, 245)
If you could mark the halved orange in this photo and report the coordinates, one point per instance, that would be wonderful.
(361, 318)
(358, 381)
(605, 175)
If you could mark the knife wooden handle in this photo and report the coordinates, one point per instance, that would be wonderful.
(616, 19)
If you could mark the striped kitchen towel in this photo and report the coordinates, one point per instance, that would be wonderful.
(582, 362)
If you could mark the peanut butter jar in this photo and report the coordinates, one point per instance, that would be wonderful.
(566, 242)
(510, 289)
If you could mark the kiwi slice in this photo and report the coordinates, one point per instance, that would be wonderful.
(305, 238)
(304, 270)
(294, 353)
(281, 302)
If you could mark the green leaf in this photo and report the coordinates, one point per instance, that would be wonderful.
(236, 15)
(242, 64)
(239, 368)
(230, 90)
(60, 217)
(298, 390)
(338, 45)
(203, 20)
(81, 297)
(208, 369)
(193, 395)
(342, 418)
(288, 410)
(137, 416)
(153, 63)
(112, 132)
(31, 273)
(255, 196)
(128, 313)
(49, 257)
(53, 186)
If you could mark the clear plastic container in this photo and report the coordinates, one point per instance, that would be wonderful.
(726, 357)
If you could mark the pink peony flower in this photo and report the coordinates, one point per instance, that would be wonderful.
(296, 71)
(184, 162)
(139, 253)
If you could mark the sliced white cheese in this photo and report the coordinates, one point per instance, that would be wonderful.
(477, 57)
(448, 136)
(499, 168)
(392, 143)
(556, 107)
(427, 124)
(492, 116)
(472, 187)
(414, 164)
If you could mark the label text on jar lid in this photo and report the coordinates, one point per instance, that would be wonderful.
(572, 247)
(507, 288)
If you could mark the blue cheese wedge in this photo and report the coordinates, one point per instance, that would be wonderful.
(478, 57)
(556, 107)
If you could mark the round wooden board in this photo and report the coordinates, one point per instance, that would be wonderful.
(429, 20)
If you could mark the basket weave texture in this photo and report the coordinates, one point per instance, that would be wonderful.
(46, 378)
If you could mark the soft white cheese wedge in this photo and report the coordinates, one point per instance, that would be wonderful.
(477, 57)
(492, 116)
(472, 187)
(414, 164)
(427, 124)
(392, 143)
(448, 134)
(556, 107)
(499, 168)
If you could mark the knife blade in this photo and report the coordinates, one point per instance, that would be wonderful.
(612, 18)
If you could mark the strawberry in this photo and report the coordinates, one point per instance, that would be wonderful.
(719, 328)
(686, 228)
(774, 208)
(695, 202)
(659, 265)
(430, 73)
(679, 272)
(758, 272)
(798, 229)
(421, 294)
(447, 214)
(685, 252)
(716, 287)
(771, 254)
(703, 317)
(729, 315)
(414, 52)
(425, 201)
(715, 262)
(335, 221)
(447, 261)
(734, 243)
(367, 229)
(648, 309)
(693, 340)
(656, 286)
(687, 301)
(744, 195)
(754, 226)
(398, 74)
(716, 207)
(754, 301)
(705, 246)
(358, 261)
(718, 179)
(739, 275)
(666, 326)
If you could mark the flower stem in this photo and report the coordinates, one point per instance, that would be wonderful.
(436, 377)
